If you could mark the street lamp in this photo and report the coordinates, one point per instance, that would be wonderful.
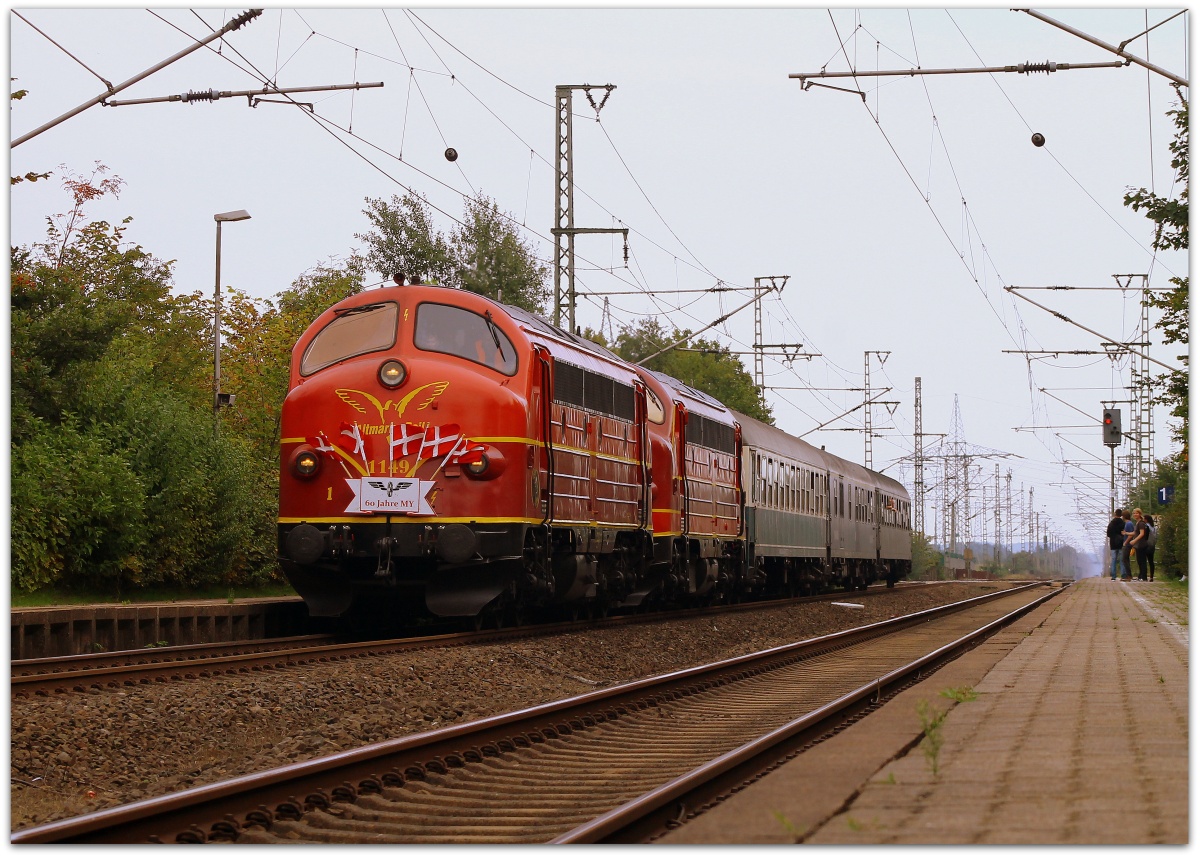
(226, 217)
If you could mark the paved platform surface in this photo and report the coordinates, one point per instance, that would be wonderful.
(1078, 735)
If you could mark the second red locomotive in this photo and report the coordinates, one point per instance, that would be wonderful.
(443, 451)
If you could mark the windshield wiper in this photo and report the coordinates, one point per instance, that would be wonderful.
(354, 310)
(487, 314)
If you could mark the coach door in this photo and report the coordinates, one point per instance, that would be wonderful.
(829, 512)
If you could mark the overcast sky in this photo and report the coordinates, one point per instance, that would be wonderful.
(899, 218)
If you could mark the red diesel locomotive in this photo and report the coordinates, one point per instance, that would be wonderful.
(443, 451)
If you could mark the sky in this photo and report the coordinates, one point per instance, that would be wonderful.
(898, 216)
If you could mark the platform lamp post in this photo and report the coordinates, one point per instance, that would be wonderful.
(226, 217)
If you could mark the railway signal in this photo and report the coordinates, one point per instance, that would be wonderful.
(1112, 426)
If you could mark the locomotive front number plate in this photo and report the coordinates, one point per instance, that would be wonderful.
(390, 496)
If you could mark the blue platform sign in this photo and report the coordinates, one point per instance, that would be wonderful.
(1166, 494)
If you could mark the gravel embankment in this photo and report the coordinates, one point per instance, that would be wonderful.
(76, 753)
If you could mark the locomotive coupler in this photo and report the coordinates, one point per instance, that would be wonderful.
(384, 567)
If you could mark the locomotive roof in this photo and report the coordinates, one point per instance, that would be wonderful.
(678, 385)
(536, 322)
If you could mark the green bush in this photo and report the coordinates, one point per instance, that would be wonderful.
(76, 510)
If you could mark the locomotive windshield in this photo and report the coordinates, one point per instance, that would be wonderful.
(457, 331)
(357, 330)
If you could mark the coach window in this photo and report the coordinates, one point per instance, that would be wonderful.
(462, 333)
(355, 330)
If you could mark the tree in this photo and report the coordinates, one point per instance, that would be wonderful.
(117, 477)
(491, 258)
(927, 562)
(260, 335)
(73, 297)
(1170, 217)
(483, 254)
(404, 240)
(1171, 520)
(706, 365)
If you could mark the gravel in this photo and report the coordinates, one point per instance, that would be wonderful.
(76, 753)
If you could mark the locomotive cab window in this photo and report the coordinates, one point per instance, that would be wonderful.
(654, 408)
(357, 330)
(462, 333)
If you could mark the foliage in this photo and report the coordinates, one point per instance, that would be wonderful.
(118, 478)
(73, 297)
(76, 508)
(933, 719)
(17, 95)
(1171, 520)
(1170, 217)
(484, 253)
(931, 724)
(404, 240)
(492, 259)
(927, 562)
(707, 366)
(259, 337)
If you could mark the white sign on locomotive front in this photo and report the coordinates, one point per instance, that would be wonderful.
(390, 496)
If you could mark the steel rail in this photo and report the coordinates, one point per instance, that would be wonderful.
(122, 657)
(217, 810)
(144, 666)
(611, 823)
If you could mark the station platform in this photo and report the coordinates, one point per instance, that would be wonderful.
(1078, 735)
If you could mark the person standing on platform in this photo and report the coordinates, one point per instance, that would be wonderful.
(1126, 571)
(1148, 544)
(1116, 537)
(1138, 542)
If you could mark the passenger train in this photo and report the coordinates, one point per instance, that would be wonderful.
(445, 454)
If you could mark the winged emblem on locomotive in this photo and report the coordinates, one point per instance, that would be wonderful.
(359, 399)
(389, 487)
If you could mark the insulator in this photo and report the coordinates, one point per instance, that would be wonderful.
(1033, 67)
(210, 95)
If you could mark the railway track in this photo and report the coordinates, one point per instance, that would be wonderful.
(80, 673)
(611, 765)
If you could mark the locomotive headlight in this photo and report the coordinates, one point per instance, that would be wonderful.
(306, 463)
(483, 462)
(392, 373)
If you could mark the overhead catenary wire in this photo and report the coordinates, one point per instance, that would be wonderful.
(843, 43)
(436, 92)
(64, 50)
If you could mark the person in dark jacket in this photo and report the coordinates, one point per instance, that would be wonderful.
(1151, 538)
(1116, 536)
(1126, 547)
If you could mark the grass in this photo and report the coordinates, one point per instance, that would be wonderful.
(57, 598)
(932, 720)
(792, 830)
